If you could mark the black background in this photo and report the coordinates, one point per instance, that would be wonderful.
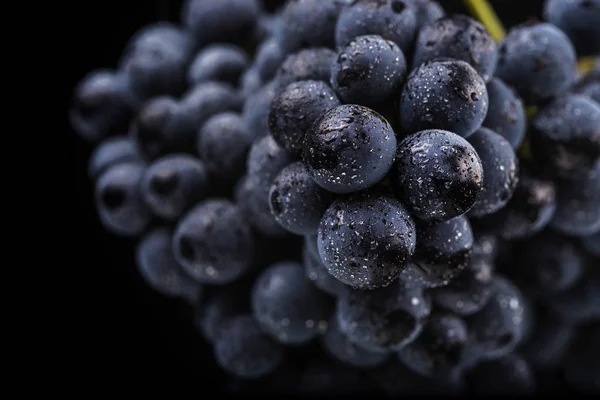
(125, 333)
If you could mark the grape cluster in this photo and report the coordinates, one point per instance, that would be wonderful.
(361, 177)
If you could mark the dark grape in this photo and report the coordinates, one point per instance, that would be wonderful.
(506, 112)
(365, 241)
(443, 94)
(369, 70)
(119, 200)
(577, 211)
(579, 20)
(156, 59)
(385, 319)
(565, 135)
(155, 261)
(349, 149)
(443, 249)
(317, 273)
(468, 292)
(308, 23)
(500, 171)
(296, 201)
(110, 152)
(220, 22)
(287, 306)
(172, 184)
(219, 62)
(242, 349)
(538, 60)
(312, 64)
(459, 37)
(296, 108)
(500, 326)
(438, 175)
(223, 144)
(102, 105)
(439, 351)
(528, 211)
(213, 242)
(335, 342)
(393, 20)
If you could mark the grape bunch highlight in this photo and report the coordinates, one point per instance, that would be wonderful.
(363, 196)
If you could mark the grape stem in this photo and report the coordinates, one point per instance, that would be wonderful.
(484, 12)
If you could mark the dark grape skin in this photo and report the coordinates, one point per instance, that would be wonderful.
(296, 201)
(308, 64)
(296, 108)
(508, 375)
(442, 189)
(426, 11)
(266, 159)
(220, 22)
(317, 273)
(395, 379)
(335, 343)
(213, 243)
(102, 105)
(151, 128)
(499, 327)
(368, 71)
(366, 240)
(384, 319)
(393, 20)
(443, 94)
(250, 83)
(548, 263)
(350, 148)
(218, 62)
(582, 364)
(287, 306)
(565, 135)
(223, 145)
(443, 249)
(242, 349)
(165, 125)
(251, 195)
(119, 203)
(592, 244)
(579, 20)
(538, 60)
(506, 112)
(500, 171)
(217, 308)
(110, 152)
(485, 246)
(577, 212)
(468, 292)
(440, 349)
(172, 184)
(308, 23)
(459, 37)
(203, 101)
(529, 210)
(155, 60)
(588, 85)
(546, 347)
(256, 109)
(269, 56)
(159, 269)
(581, 302)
